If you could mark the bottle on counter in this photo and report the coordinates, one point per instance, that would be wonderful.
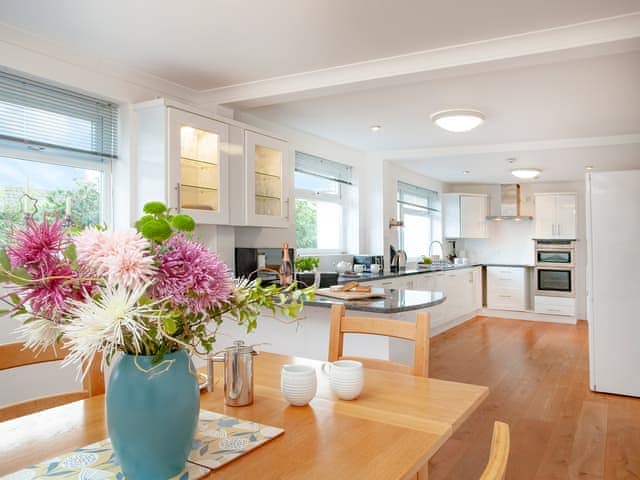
(286, 267)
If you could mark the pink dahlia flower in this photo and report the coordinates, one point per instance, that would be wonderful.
(123, 257)
(38, 246)
(48, 297)
(190, 276)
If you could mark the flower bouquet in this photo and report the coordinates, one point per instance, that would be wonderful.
(153, 293)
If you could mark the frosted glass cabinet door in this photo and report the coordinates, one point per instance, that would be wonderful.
(268, 180)
(198, 167)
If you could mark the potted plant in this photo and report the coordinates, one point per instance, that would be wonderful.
(151, 296)
(309, 264)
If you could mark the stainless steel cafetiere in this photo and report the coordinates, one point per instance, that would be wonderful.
(238, 374)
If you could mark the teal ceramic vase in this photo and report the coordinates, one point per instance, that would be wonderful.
(152, 414)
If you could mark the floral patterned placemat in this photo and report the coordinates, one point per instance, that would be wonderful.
(219, 440)
(93, 462)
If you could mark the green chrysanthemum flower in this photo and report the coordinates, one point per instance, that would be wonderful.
(157, 230)
(184, 223)
(154, 208)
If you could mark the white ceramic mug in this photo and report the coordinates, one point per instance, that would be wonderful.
(346, 378)
(375, 268)
(298, 384)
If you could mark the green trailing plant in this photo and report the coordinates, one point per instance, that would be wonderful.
(306, 264)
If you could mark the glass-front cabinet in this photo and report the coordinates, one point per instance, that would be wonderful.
(267, 173)
(198, 167)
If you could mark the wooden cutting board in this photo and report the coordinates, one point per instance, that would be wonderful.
(374, 293)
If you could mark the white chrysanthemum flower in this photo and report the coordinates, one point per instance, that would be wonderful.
(38, 333)
(101, 324)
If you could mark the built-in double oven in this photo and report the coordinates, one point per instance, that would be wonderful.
(555, 268)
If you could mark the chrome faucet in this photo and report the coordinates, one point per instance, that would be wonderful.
(443, 258)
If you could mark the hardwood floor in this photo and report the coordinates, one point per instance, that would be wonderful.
(538, 376)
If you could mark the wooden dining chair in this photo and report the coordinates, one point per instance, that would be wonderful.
(500, 444)
(418, 332)
(13, 355)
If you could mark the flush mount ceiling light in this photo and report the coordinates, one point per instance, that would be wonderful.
(458, 120)
(526, 173)
(375, 128)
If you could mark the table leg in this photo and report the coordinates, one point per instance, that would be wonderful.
(423, 473)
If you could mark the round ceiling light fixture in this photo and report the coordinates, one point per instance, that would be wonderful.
(375, 128)
(458, 119)
(526, 173)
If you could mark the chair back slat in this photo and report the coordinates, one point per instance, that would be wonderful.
(500, 444)
(14, 355)
(418, 332)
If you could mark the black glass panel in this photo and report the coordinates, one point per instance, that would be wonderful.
(554, 280)
(554, 257)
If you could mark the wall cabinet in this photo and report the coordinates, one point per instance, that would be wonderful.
(181, 161)
(507, 288)
(555, 215)
(218, 172)
(267, 180)
(465, 215)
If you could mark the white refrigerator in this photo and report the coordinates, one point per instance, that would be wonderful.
(613, 281)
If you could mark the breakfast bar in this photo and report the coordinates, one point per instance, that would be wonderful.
(309, 336)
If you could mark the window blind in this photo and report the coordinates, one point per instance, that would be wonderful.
(418, 197)
(321, 167)
(43, 116)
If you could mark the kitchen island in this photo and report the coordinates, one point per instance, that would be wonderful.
(309, 336)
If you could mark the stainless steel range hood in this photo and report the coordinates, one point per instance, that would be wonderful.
(510, 204)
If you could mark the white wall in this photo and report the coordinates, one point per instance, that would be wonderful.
(511, 242)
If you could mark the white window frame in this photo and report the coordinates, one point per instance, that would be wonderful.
(104, 166)
(303, 194)
(433, 220)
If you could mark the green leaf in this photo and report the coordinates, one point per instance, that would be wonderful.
(70, 252)
(22, 275)
(4, 260)
(169, 325)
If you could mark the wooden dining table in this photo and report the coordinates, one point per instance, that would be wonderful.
(390, 432)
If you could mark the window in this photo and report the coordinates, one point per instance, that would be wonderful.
(419, 209)
(56, 148)
(321, 189)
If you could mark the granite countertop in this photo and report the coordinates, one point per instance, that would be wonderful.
(369, 277)
(394, 301)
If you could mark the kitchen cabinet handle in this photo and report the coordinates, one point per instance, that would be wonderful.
(288, 208)
(178, 194)
(505, 296)
(558, 229)
(386, 283)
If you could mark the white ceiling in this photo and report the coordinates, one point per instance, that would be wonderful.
(548, 84)
(557, 164)
(583, 98)
(204, 44)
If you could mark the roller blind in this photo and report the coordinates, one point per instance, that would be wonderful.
(418, 197)
(43, 116)
(321, 167)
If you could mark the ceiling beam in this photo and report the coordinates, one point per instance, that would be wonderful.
(398, 68)
(439, 152)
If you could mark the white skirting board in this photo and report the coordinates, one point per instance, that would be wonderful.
(529, 315)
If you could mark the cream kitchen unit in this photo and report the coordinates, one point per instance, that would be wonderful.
(215, 169)
(465, 215)
(555, 215)
(461, 286)
(507, 288)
